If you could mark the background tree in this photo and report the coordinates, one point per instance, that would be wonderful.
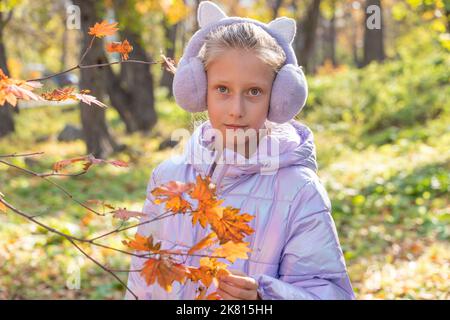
(132, 90)
(373, 37)
(6, 116)
(98, 139)
(307, 24)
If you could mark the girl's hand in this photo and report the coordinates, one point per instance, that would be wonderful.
(238, 286)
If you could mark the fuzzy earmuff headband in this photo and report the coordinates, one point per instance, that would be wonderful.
(289, 89)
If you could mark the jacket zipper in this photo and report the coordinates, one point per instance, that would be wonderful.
(213, 170)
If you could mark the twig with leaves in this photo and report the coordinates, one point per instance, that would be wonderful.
(229, 228)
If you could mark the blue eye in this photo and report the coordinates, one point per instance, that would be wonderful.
(221, 91)
(255, 92)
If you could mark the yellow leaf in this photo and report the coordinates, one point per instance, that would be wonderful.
(232, 251)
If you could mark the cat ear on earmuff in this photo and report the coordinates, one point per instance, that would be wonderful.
(285, 27)
(209, 12)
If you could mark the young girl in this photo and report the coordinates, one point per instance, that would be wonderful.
(245, 74)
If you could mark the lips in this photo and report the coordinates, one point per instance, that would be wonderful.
(235, 126)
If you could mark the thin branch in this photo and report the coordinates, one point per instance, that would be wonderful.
(79, 66)
(119, 270)
(105, 269)
(118, 62)
(53, 174)
(44, 177)
(161, 216)
(26, 216)
(55, 74)
(92, 241)
(21, 155)
(72, 238)
(87, 50)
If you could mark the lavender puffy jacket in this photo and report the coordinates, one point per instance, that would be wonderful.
(295, 248)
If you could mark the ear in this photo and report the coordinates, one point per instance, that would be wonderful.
(284, 26)
(209, 12)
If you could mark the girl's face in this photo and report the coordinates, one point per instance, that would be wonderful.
(238, 96)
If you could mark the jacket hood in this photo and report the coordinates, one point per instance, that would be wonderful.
(287, 144)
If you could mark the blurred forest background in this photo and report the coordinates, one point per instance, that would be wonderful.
(378, 106)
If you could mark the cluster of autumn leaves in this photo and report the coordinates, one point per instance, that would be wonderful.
(227, 226)
(12, 90)
(228, 229)
(104, 29)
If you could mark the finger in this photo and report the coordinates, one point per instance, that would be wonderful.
(225, 296)
(237, 292)
(242, 282)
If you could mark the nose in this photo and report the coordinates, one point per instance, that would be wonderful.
(237, 108)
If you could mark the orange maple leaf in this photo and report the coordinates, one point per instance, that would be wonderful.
(88, 161)
(210, 269)
(207, 212)
(232, 251)
(207, 241)
(172, 194)
(62, 94)
(231, 225)
(59, 94)
(164, 271)
(58, 166)
(203, 190)
(124, 48)
(142, 243)
(11, 90)
(103, 29)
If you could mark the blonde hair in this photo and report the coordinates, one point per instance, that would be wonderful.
(245, 36)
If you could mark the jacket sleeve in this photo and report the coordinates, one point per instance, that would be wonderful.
(136, 283)
(312, 264)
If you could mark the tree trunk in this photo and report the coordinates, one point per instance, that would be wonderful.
(96, 135)
(132, 91)
(275, 5)
(373, 34)
(304, 44)
(64, 50)
(170, 37)
(138, 82)
(354, 40)
(6, 117)
(447, 14)
(120, 100)
(330, 37)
